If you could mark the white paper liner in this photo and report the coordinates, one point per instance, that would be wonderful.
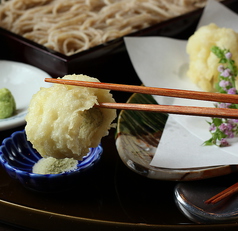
(163, 62)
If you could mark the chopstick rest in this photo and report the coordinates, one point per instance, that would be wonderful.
(190, 197)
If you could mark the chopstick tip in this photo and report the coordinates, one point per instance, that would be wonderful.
(224, 194)
(47, 79)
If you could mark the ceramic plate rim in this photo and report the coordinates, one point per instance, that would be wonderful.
(167, 173)
(19, 118)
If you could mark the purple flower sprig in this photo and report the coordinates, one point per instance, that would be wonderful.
(222, 129)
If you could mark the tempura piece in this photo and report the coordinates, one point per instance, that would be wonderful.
(63, 122)
(203, 63)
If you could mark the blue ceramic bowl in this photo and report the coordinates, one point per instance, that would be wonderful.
(18, 157)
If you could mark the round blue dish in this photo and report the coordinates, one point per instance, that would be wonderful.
(18, 157)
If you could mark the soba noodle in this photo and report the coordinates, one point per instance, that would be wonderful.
(72, 26)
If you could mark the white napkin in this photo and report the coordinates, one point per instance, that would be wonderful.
(163, 62)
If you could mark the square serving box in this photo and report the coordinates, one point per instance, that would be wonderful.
(16, 48)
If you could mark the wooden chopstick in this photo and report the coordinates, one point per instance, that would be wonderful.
(199, 95)
(222, 195)
(172, 109)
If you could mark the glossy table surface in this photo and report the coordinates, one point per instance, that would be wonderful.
(111, 197)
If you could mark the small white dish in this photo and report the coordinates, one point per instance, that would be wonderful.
(23, 81)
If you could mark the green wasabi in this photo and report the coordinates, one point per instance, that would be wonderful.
(7, 103)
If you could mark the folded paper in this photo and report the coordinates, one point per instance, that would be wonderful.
(163, 62)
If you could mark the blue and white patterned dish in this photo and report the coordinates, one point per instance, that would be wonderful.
(18, 157)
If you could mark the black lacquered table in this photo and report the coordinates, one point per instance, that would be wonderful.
(111, 196)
